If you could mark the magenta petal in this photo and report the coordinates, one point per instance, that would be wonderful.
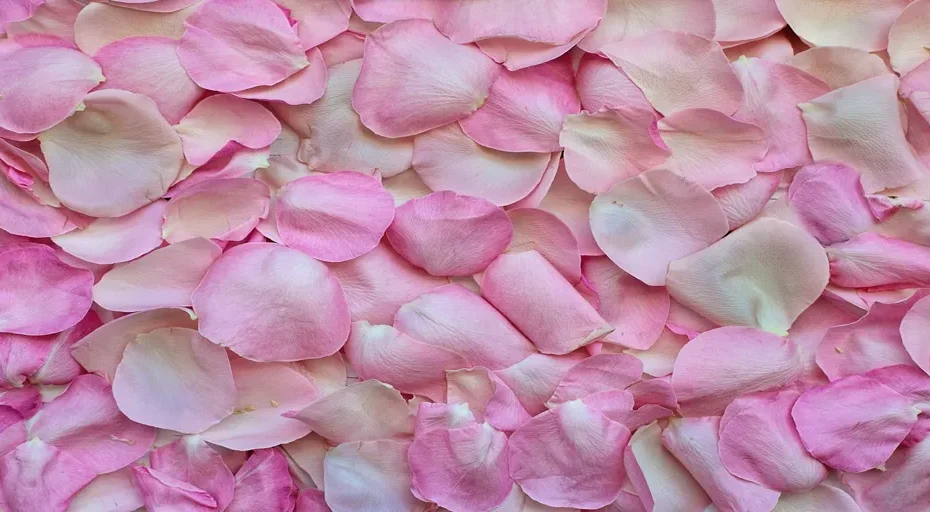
(264, 482)
(38, 476)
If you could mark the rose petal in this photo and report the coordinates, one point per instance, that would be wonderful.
(601, 84)
(116, 240)
(907, 39)
(861, 24)
(809, 330)
(364, 411)
(58, 366)
(21, 214)
(115, 489)
(632, 18)
(602, 372)
(661, 482)
(386, 12)
(54, 18)
(541, 231)
(317, 21)
(160, 491)
(371, 475)
(839, 66)
(822, 497)
(542, 21)
(571, 205)
(774, 48)
(913, 324)
(830, 203)
(302, 88)
(192, 460)
(264, 482)
(743, 202)
(739, 20)
(224, 118)
(487, 396)
(901, 483)
(535, 378)
(98, 25)
(38, 476)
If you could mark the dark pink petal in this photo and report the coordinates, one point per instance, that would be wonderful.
(541, 21)
(535, 378)
(99, 24)
(311, 500)
(870, 260)
(861, 24)
(53, 18)
(541, 231)
(364, 411)
(162, 492)
(218, 58)
(302, 88)
(487, 396)
(743, 202)
(601, 84)
(839, 66)
(229, 302)
(317, 21)
(661, 482)
(40, 294)
(116, 240)
(902, 483)
(722, 364)
(741, 20)
(829, 201)
(853, 424)
(263, 482)
(598, 373)
(37, 476)
(371, 475)
(192, 460)
(116, 489)
(632, 18)
(224, 118)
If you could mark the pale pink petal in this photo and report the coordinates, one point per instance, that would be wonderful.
(150, 66)
(217, 56)
(263, 483)
(440, 416)
(163, 278)
(659, 359)
(648, 221)
(860, 125)
(143, 154)
(317, 21)
(100, 24)
(913, 326)
(116, 490)
(54, 18)
(371, 475)
(901, 484)
(809, 330)
(25, 400)
(525, 109)
(853, 424)
(233, 161)
(598, 373)
(763, 275)
(22, 214)
(829, 201)
(59, 366)
(694, 442)
(343, 48)
(759, 443)
(163, 492)
(435, 81)
(541, 21)
(774, 48)
(907, 38)
(822, 497)
(571, 205)
(542, 188)
(448, 234)
(472, 458)
(84, 422)
(302, 88)
(743, 202)
(745, 20)
(839, 66)
(633, 18)
(861, 24)
(100, 351)
(175, 379)
(721, 364)
(453, 318)
(908, 224)
(38, 476)
(569, 457)
(535, 378)
(676, 71)
(190, 459)
(116, 240)
(541, 231)
(43, 85)
(333, 217)
(18, 10)
(601, 84)
(364, 411)
(910, 382)
(334, 137)
(233, 298)
(40, 294)
(224, 118)
(516, 54)
(155, 5)
(608, 146)
(871, 260)
(386, 12)
(487, 396)
(661, 482)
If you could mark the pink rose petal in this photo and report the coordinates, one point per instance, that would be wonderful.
(117, 489)
(38, 476)
(839, 66)
(743, 202)
(901, 484)
(775, 48)
(907, 39)
(601, 84)
(372, 475)
(829, 201)
(192, 460)
(224, 118)
(365, 411)
(221, 209)
(116, 240)
(264, 482)
(741, 20)
(302, 88)
(862, 24)
(99, 24)
(632, 18)
(317, 21)
(570, 204)
(540, 21)
(163, 492)
(822, 497)
(661, 482)
(488, 397)
(602, 372)
(541, 231)
(870, 260)
(913, 325)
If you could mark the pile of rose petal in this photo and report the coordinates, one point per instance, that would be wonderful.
(465, 255)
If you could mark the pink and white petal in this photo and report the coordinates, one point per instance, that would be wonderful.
(603, 372)
(40, 294)
(308, 453)
(25, 400)
(99, 24)
(84, 423)
(759, 442)
(101, 351)
(633, 18)
(155, 5)
(822, 497)
(774, 48)
(694, 442)
(144, 154)
(913, 325)
(218, 58)
(677, 71)
(839, 66)
(233, 299)
(516, 54)
(739, 20)
(223, 118)
(163, 278)
(645, 223)
(334, 137)
(441, 416)
(233, 161)
(318, 21)
(117, 490)
(853, 424)
(116, 240)
(190, 459)
(829, 201)
(811, 327)
(908, 224)
(43, 85)
(743, 202)
(871, 260)
(721, 364)
(175, 379)
(21, 214)
(660, 481)
(162, 492)
(54, 18)
(302, 88)
(606, 147)
(773, 92)
(539, 301)
(571, 456)
(18, 10)
(901, 483)
(264, 482)
(860, 125)
(540, 21)
(535, 378)
(381, 12)
(525, 109)
(150, 66)
(907, 38)
(38, 476)
(762, 275)
(601, 84)
(333, 217)
(59, 367)
(659, 359)
(372, 475)
(343, 48)
(571, 204)
(364, 411)
(860, 24)
(541, 231)
(20, 357)
(487, 396)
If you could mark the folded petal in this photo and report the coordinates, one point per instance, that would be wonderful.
(516, 54)
(541, 231)
(372, 475)
(661, 482)
(233, 299)
(541, 21)
(739, 20)
(98, 25)
(648, 221)
(902, 483)
(839, 66)
(534, 379)
(907, 39)
(632, 18)
(743, 202)
(862, 24)
(38, 476)
(487, 396)
(162, 492)
(116, 489)
(871, 260)
(116, 240)
(264, 482)
(810, 328)
(829, 201)
(721, 364)
(224, 118)
(364, 411)
(119, 143)
(435, 81)
(601, 84)
(602, 372)
(191, 460)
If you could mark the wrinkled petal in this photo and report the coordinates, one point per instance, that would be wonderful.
(661, 482)
(116, 240)
(263, 482)
(54, 18)
(224, 118)
(601, 84)
(99, 24)
(829, 201)
(38, 476)
(386, 12)
(364, 411)
(541, 21)
(516, 54)
(633, 18)
(193, 461)
(371, 475)
(861, 24)
(598, 373)
(839, 66)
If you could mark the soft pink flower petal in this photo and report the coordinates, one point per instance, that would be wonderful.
(516, 54)
(839, 66)
(648, 221)
(58, 366)
(84, 423)
(633, 18)
(20, 357)
(661, 482)
(860, 125)
(861, 24)
(143, 154)
(453, 318)
(809, 330)
(913, 327)
(217, 56)
(307, 453)
(829, 201)
(525, 109)
(116, 489)
(263, 482)
(535, 378)
(371, 475)
(822, 497)
(38, 476)
(694, 442)
(774, 48)
(743, 202)
(43, 85)
(54, 18)
(163, 278)
(155, 5)
(742, 20)
(302, 88)
(901, 484)
(608, 146)
(175, 379)
(598, 373)
(40, 294)
(333, 217)
(334, 138)
(853, 424)
(233, 161)
(25, 400)
(601, 84)
(99, 24)
(18, 10)
(163, 492)
(233, 298)
(871, 260)
(677, 70)
(571, 456)
(659, 359)
(22, 214)
(541, 231)
(571, 205)
(343, 48)
(721, 364)
(116, 240)
(487, 396)
(318, 21)
(541, 21)
(364, 411)
(762, 275)
(908, 39)
(224, 118)
(386, 12)
(191, 460)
